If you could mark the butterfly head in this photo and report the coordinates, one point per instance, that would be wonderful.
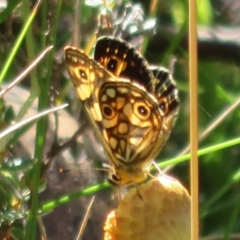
(125, 175)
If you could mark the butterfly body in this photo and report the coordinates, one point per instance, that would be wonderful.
(127, 105)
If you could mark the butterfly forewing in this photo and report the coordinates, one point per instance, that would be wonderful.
(122, 60)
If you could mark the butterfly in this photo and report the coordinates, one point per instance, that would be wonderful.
(131, 105)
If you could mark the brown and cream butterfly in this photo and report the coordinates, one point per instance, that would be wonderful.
(131, 105)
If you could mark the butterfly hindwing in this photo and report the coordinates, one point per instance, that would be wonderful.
(131, 120)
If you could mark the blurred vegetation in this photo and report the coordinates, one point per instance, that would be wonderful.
(30, 156)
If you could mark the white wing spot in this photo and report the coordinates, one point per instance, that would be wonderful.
(111, 92)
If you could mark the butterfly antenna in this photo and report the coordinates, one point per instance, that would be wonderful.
(62, 170)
